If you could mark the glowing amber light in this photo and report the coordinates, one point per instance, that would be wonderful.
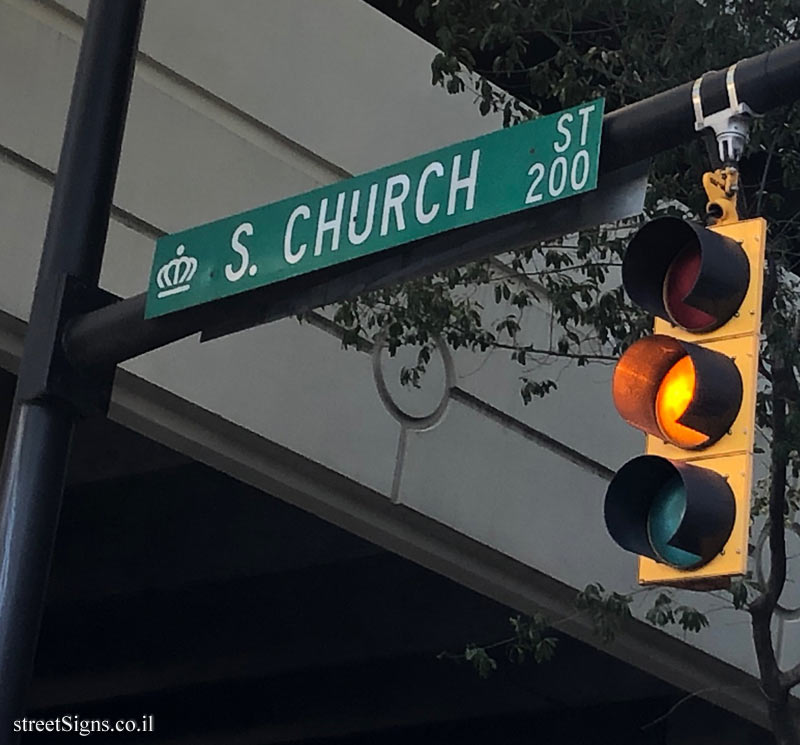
(674, 396)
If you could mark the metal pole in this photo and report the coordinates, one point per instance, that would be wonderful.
(119, 331)
(42, 422)
(665, 120)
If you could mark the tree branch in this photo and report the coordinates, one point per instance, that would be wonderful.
(555, 353)
(764, 175)
(774, 683)
(556, 270)
(791, 677)
(777, 534)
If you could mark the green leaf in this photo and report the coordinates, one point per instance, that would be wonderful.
(483, 663)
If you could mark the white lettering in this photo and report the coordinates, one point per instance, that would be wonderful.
(231, 274)
(292, 257)
(554, 188)
(584, 112)
(324, 225)
(560, 147)
(423, 216)
(580, 157)
(467, 183)
(537, 170)
(395, 201)
(353, 236)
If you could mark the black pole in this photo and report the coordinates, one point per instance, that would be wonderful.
(665, 120)
(43, 420)
(631, 134)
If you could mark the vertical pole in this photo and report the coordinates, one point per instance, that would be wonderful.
(38, 442)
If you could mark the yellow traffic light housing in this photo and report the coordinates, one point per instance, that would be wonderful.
(684, 506)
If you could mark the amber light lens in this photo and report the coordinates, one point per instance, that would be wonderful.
(674, 396)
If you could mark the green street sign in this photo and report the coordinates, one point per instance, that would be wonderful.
(549, 158)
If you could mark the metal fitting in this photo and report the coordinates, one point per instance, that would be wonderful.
(731, 125)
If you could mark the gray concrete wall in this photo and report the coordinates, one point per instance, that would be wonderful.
(240, 103)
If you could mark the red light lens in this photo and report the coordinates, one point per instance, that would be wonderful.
(681, 278)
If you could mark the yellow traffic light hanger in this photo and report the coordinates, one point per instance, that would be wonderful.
(721, 187)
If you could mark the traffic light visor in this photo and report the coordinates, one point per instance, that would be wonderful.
(673, 512)
(686, 274)
(684, 394)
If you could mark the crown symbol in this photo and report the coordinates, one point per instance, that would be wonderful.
(175, 275)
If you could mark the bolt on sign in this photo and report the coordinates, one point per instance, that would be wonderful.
(549, 158)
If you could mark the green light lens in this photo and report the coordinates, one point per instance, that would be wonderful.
(663, 520)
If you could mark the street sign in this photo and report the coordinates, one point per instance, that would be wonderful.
(531, 164)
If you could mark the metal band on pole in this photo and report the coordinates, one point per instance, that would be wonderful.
(730, 84)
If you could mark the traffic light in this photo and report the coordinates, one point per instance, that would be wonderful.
(684, 506)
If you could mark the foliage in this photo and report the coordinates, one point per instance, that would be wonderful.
(480, 659)
(665, 611)
(607, 611)
(531, 639)
(542, 57)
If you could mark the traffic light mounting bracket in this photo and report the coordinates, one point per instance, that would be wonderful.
(731, 125)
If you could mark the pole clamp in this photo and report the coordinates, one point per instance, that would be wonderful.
(731, 125)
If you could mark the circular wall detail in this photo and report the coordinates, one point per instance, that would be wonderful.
(416, 408)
